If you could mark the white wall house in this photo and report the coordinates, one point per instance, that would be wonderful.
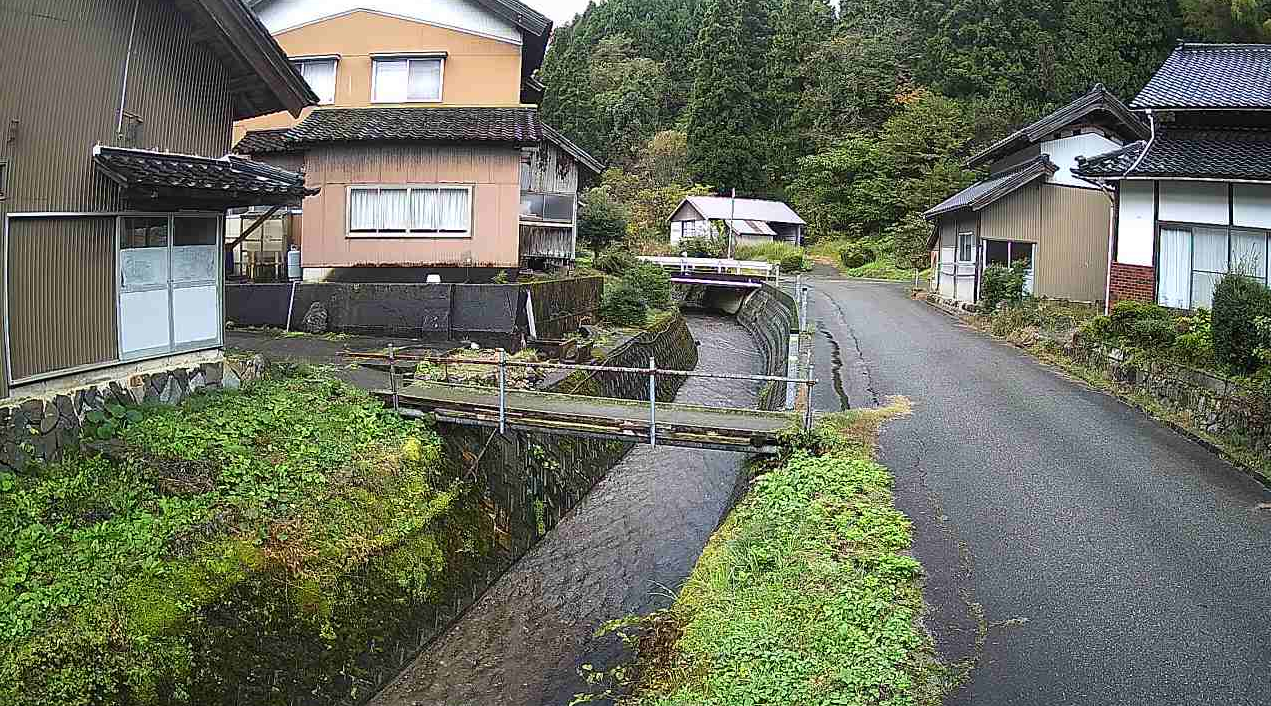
(1194, 199)
(745, 221)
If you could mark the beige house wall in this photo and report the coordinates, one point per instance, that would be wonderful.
(493, 172)
(478, 71)
(1073, 260)
(1016, 217)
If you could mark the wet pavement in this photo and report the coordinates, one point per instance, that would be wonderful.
(1077, 551)
(626, 548)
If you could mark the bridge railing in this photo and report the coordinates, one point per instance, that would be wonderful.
(397, 356)
(717, 265)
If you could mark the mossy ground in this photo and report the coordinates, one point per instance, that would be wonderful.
(806, 595)
(250, 542)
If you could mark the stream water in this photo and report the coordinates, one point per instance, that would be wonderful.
(626, 548)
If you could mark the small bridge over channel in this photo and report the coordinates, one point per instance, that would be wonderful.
(646, 421)
(718, 272)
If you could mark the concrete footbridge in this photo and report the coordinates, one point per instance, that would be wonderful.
(718, 272)
(642, 421)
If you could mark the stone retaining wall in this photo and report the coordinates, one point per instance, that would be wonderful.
(1212, 404)
(43, 428)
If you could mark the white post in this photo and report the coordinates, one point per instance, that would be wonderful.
(503, 402)
(653, 401)
(392, 376)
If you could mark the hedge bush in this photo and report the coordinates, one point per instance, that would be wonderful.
(1002, 284)
(1238, 303)
(697, 246)
(624, 305)
(794, 262)
(615, 262)
(856, 255)
(652, 282)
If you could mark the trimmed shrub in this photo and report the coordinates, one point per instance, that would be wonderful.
(1238, 303)
(1126, 314)
(624, 305)
(856, 255)
(701, 247)
(1003, 284)
(616, 262)
(652, 282)
(794, 262)
(1153, 333)
(1099, 329)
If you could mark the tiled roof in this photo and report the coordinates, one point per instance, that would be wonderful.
(1098, 102)
(1200, 76)
(263, 142)
(231, 179)
(1225, 153)
(514, 125)
(982, 193)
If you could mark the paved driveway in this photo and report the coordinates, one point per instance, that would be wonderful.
(1106, 559)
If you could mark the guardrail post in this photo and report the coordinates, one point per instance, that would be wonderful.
(777, 270)
(392, 376)
(653, 401)
(807, 408)
(503, 394)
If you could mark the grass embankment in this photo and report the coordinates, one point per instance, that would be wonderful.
(883, 266)
(806, 595)
(256, 540)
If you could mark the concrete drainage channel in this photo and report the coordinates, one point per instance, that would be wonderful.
(587, 530)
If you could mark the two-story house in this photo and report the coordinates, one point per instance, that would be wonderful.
(1031, 207)
(115, 116)
(1193, 199)
(427, 148)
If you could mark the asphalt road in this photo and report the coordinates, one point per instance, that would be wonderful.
(1078, 551)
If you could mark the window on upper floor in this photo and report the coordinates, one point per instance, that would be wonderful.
(407, 80)
(547, 207)
(319, 73)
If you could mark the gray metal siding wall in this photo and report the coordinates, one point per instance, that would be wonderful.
(61, 303)
(61, 81)
(1072, 263)
(1017, 217)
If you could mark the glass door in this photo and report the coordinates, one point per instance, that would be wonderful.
(145, 321)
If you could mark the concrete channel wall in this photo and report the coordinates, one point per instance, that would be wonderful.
(771, 317)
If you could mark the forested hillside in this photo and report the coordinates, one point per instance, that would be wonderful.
(860, 115)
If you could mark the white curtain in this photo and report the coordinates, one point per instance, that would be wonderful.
(320, 75)
(1249, 253)
(394, 209)
(423, 206)
(454, 212)
(390, 81)
(1176, 268)
(1209, 263)
(363, 209)
(424, 80)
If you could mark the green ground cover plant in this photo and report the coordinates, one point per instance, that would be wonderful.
(258, 539)
(790, 256)
(806, 594)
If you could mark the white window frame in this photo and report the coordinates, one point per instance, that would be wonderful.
(385, 58)
(958, 253)
(334, 60)
(535, 220)
(408, 233)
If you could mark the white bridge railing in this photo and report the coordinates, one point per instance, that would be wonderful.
(718, 265)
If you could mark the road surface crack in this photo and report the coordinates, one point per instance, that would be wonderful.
(860, 354)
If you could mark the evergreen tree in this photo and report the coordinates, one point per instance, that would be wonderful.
(1115, 42)
(726, 113)
(799, 29)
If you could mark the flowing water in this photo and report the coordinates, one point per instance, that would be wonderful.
(626, 548)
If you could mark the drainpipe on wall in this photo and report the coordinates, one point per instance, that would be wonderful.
(123, 89)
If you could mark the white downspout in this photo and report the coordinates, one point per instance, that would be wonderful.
(123, 89)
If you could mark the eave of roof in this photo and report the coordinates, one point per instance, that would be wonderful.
(584, 158)
(264, 142)
(262, 79)
(229, 181)
(1096, 100)
(984, 192)
(1217, 154)
(518, 126)
(1210, 77)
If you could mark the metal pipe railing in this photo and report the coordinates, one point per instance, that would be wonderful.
(502, 363)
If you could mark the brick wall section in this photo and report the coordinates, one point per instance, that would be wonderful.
(1132, 283)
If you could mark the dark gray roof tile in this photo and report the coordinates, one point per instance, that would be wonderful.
(509, 125)
(1213, 76)
(1226, 153)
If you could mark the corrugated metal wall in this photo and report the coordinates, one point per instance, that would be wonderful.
(1072, 262)
(61, 82)
(61, 294)
(1016, 217)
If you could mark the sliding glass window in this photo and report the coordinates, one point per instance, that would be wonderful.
(1194, 258)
